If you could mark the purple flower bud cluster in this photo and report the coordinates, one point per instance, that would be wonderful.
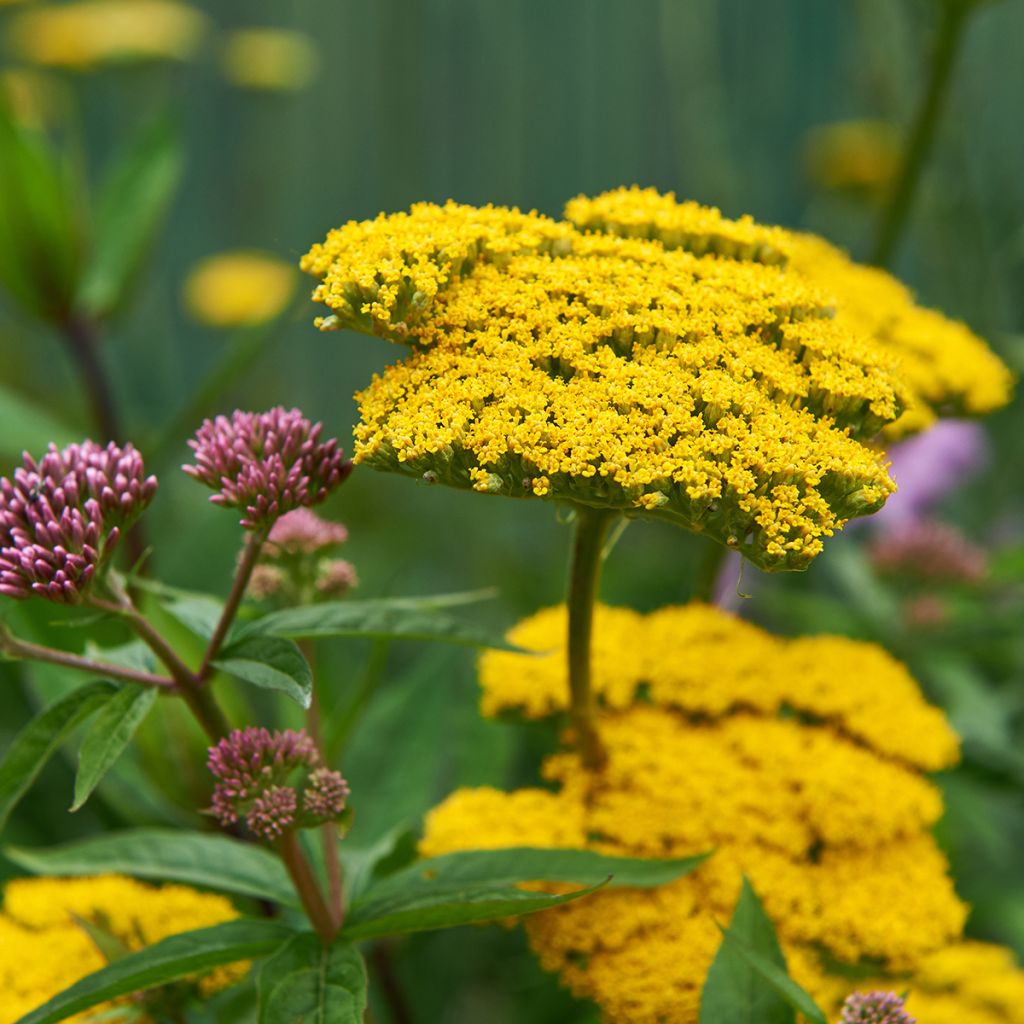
(274, 781)
(61, 517)
(335, 577)
(266, 464)
(930, 550)
(875, 1008)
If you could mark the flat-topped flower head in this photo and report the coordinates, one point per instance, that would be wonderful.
(801, 763)
(275, 782)
(61, 517)
(875, 1008)
(694, 375)
(266, 464)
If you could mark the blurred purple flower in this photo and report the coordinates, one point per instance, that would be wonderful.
(336, 577)
(929, 550)
(929, 466)
(303, 532)
(875, 1008)
(266, 464)
(62, 516)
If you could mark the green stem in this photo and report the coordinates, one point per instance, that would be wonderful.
(708, 570)
(306, 886)
(894, 215)
(584, 577)
(251, 551)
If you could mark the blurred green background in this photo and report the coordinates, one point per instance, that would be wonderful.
(529, 103)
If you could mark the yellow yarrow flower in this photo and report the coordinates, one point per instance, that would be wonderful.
(943, 367)
(44, 949)
(89, 33)
(684, 368)
(239, 289)
(798, 762)
(272, 59)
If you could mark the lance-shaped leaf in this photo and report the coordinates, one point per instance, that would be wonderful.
(748, 982)
(35, 744)
(270, 662)
(421, 907)
(109, 734)
(305, 982)
(386, 618)
(169, 960)
(169, 855)
(132, 202)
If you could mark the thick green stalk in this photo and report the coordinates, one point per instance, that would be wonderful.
(306, 886)
(584, 576)
(894, 215)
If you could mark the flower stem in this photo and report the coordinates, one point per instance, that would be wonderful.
(894, 215)
(584, 576)
(708, 569)
(251, 551)
(23, 649)
(306, 886)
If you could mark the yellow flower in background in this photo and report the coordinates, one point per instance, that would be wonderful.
(89, 33)
(239, 289)
(800, 763)
(862, 154)
(34, 99)
(678, 364)
(274, 59)
(44, 949)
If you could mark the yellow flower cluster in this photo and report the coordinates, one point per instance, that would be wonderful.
(944, 368)
(44, 948)
(693, 372)
(270, 59)
(90, 33)
(239, 289)
(799, 763)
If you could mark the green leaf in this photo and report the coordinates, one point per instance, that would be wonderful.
(270, 662)
(35, 744)
(133, 201)
(108, 736)
(199, 613)
(303, 982)
(529, 864)
(40, 238)
(193, 858)
(390, 618)
(747, 982)
(26, 426)
(168, 960)
(430, 906)
(395, 849)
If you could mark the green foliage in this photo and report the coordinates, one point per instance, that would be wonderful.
(747, 982)
(169, 960)
(40, 230)
(270, 662)
(36, 743)
(305, 982)
(26, 426)
(173, 855)
(130, 207)
(401, 618)
(108, 736)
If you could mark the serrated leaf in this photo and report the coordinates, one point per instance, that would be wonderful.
(432, 906)
(270, 662)
(382, 618)
(747, 982)
(305, 982)
(34, 745)
(110, 732)
(133, 200)
(531, 864)
(168, 960)
(170, 855)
